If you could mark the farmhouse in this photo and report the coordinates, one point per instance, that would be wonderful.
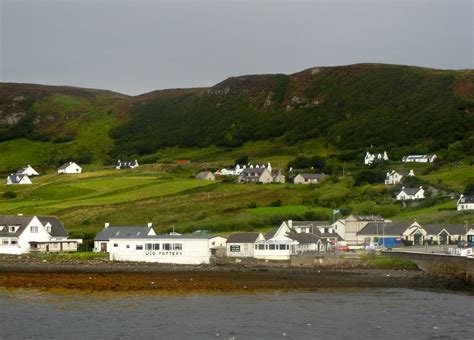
(371, 158)
(410, 194)
(27, 170)
(69, 168)
(177, 249)
(395, 177)
(419, 159)
(242, 244)
(206, 175)
(126, 164)
(14, 179)
(23, 234)
(465, 203)
(101, 240)
(255, 175)
(308, 178)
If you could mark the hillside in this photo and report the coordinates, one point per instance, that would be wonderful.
(352, 107)
(337, 110)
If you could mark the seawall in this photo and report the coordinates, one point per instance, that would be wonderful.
(440, 264)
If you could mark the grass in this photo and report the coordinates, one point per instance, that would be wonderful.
(392, 263)
(83, 255)
(455, 177)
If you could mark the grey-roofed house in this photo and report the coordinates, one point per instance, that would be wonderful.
(410, 194)
(206, 175)
(255, 175)
(353, 224)
(242, 244)
(308, 243)
(69, 168)
(374, 230)
(27, 170)
(23, 234)
(308, 178)
(465, 203)
(102, 239)
(121, 165)
(14, 179)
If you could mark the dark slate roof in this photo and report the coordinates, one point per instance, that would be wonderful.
(453, 229)
(13, 220)
(57, 228)
(304, 237)
(121, 232)
(312, 176)
(243, 238)
(15, 178)
(271, 233)
(248, 171)
(309, 223)
(396, 228)
(409, 191)
(466, 199)
(65, 165)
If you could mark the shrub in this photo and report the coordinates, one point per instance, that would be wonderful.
(276, 203)
(252, 205)
(9, 195)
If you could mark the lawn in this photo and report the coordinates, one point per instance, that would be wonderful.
(455, 177)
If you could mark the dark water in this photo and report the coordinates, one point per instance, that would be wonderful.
(355, 314)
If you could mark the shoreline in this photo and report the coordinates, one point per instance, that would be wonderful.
(106, 276)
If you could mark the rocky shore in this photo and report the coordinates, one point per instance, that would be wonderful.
(103, 275)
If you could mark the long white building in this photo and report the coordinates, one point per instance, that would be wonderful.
(176, 249)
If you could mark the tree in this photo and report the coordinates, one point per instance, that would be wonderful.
(469, 190)
(242, 159)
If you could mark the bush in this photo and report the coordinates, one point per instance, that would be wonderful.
(252, 205)
(276, 203)
(9, 195)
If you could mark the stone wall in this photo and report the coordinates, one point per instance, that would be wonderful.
(454, 266)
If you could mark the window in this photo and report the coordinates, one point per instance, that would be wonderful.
(115, 244)
(177, 246)
(139, 247)
(235, 249)
(149, 246)
(256, 247)
(272, 247)
(5, 241)
(156, 246)
(166, 246)
(13, 242)
(282, 246)
(127, 246)
(11, 229)
(34, 229)
(261, 246)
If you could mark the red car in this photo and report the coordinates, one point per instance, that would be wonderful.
(343, 248)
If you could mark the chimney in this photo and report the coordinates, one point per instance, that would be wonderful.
(106, 225)
(150, 224)
(290, 224)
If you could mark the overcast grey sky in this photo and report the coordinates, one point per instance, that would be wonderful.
(139, 46)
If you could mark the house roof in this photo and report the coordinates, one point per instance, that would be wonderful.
(167, 236)
(394, 228)
(13, 220)
(15, 178)
(368, 217)
(248, 171)
(243, 238)
(304, 237)
(57, 228)
(309, 223)
(312, 176)
(65, 165)
(466, 199)
(409, 191)
(271, 233)
(453, 229)
(121, 232)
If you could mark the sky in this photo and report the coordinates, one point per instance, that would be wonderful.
(139, 46)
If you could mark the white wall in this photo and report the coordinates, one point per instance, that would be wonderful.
(246, 250)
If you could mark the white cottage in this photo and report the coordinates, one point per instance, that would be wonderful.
(23, 234)
(126, 164)
(419, 159)
(395, 177)
(14, 179)
(27, 170)
(308, 178)
(69, 168)
(176, 249)
(410, 194)
(242, 244)
(101, 240)
(465, 203)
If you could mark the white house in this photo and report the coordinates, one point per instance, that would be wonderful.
(242, 244)
(308, 178)
(27, 170)
(176, 249)
(14, 179)
(126, 164)
(69, 168)
(101, 240)
(410, 194)
(465, 203)
(419, 159)
(23, 234)
(371, 158)
(395, 177)
(255, 175)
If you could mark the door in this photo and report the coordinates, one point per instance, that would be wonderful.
(103, 247)
(417, 239)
